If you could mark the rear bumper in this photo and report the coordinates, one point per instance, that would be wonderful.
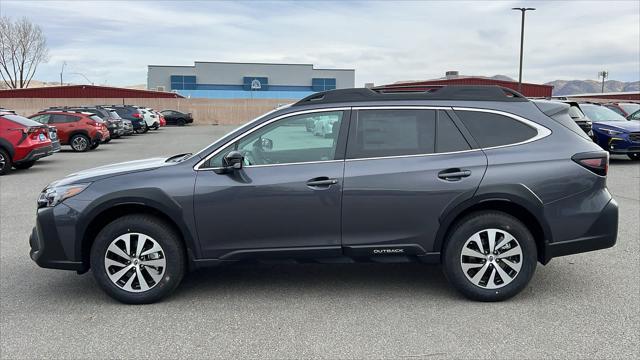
(601, 235)
(55, 146)
(36, 154)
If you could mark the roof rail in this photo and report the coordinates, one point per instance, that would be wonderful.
(438, 92)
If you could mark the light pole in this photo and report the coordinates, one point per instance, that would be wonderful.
(604, 75)
(62, 71)
(522, 10)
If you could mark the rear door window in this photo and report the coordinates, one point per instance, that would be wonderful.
(62, 118)
(490, 129)
(380, 133)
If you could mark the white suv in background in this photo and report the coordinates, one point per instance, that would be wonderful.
(150, 118)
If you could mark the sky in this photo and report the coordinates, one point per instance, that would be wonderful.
(112, 42)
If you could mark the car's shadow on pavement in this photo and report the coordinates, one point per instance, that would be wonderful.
(245, 280)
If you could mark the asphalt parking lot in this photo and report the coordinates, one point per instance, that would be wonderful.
(581, 306)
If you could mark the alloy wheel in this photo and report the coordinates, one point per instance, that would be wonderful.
(79, 143)
(3, 162)
(491, 258)
(135, 262)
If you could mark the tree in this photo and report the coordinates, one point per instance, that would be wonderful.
(23, 47)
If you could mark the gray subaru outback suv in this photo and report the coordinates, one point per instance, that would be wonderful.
(478, 179)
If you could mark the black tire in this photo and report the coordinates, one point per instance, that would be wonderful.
(107, 141)
(5, 162)
(94, 145)
(145, 129)
(181, 122)
(24, 165)
(80, 143)
(163, 234)
(463, 230)
(634, 157)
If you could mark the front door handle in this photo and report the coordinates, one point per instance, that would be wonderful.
(321, 182)
(453, 174)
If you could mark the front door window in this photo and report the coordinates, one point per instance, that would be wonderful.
(296, 139)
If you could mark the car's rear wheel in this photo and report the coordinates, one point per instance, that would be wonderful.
(181, 122)
(635, 156)
(138, 259)
(24, 165)
(490, 256)
(5, 162)
(80, 143)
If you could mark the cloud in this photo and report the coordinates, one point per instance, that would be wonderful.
(384, 41)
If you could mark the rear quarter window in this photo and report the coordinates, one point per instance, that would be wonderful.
(490, 129)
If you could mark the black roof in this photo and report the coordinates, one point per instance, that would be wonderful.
(447, 92)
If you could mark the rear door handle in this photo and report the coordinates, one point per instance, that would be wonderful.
(453, 174)
(321, 182)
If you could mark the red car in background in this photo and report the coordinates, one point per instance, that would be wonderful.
(22, 142)
(163, 122)
(81, 130)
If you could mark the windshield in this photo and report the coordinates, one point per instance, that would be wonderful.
(96, 118)
(630, 108)
(600, 113)
(114, 114)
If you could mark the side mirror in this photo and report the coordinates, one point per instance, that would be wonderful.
(233, 160)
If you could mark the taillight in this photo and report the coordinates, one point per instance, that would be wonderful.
(597, 162)
(137, 115)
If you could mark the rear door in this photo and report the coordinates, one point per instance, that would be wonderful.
(65, 124)
(404, 167)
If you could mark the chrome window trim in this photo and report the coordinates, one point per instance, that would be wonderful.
(542, 132)
(302, 112)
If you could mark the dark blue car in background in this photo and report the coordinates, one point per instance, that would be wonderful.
(613, 132)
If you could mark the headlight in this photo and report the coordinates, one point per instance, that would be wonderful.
(611, 132)
(52, 196)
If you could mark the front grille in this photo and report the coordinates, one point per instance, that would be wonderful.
(634, 136)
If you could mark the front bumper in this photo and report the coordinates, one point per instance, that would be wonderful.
(601, 235)
(47, 247)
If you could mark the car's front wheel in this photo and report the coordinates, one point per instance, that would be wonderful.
(138, 259)
(490, 256)
(635, 156)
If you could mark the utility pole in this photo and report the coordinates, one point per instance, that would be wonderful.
(604, 74)
(523, 11)
(62, 71)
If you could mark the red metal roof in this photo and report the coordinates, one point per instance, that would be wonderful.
(84, 91)
(528, 89)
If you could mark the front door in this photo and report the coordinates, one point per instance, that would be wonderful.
(285, 200)
(403, 168)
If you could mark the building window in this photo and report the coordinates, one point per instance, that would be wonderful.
(183, 82)
(252, 83)
(323, 84)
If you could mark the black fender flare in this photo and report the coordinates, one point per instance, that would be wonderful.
(516, 194)
(151, 198)
(8, 147)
